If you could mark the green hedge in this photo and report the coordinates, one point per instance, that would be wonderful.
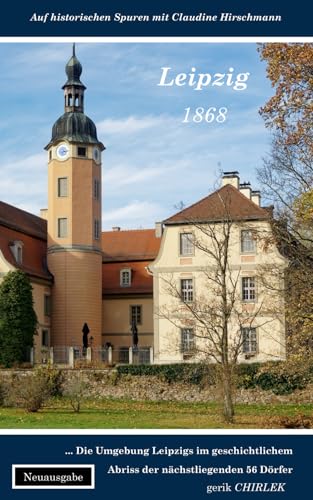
(278, 377)
(247, 375)
(188, 373)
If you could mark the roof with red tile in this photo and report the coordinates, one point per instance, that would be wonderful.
(131, 245)
(141, 280)
(133, 249)
(22, 221)
(34, 252)
(18, 225)
(226, 202)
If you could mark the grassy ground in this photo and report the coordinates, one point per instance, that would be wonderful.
(121, 414)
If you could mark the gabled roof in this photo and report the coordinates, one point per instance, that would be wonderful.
(227, 203)
(131, 245)
(22, 221)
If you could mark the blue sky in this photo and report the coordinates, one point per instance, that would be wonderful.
(153, 161)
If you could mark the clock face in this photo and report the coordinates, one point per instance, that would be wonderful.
(63, 151)
(96, 154)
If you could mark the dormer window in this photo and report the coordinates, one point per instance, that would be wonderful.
(125, 277)
(17, 250)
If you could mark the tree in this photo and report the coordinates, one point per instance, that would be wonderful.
(17, 318)
(224, 325)
(298, 290)
(288, 171)
(287, 178)
(286, 175)
(77, 390)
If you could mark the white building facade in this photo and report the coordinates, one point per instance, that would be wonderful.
(219, 277)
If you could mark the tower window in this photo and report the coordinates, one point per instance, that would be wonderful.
(81, 151)
(62, 228)
(62, 187)
(97, 229)
(96, 189)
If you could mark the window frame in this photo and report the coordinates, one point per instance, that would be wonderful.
(249, 340)
(59, 187)
(123, 283)
(248, 292)
(17, 249)
(65, 235)
(187, 292)
(96, 229)
(96, 189)
(188, 340)
(248, 241)
(131, 315)
(85, 151)
(186, 248)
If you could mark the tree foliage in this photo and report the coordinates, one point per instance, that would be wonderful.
(287, 178)
(289, 110)
(17, 318)
(287, 173)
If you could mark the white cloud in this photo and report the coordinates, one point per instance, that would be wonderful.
(24, 182)
(136, 214)
(34, 162)
(122, 175)
(130, 125)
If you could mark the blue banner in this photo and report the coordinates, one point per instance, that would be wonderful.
(121, 18)
(154, 466)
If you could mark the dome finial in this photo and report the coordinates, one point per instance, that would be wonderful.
(73, 70)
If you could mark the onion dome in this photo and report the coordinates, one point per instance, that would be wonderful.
(74, 127)
(73, 70)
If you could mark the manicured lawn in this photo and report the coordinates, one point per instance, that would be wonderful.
(121, 414)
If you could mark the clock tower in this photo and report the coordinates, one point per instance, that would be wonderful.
(74, 219)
